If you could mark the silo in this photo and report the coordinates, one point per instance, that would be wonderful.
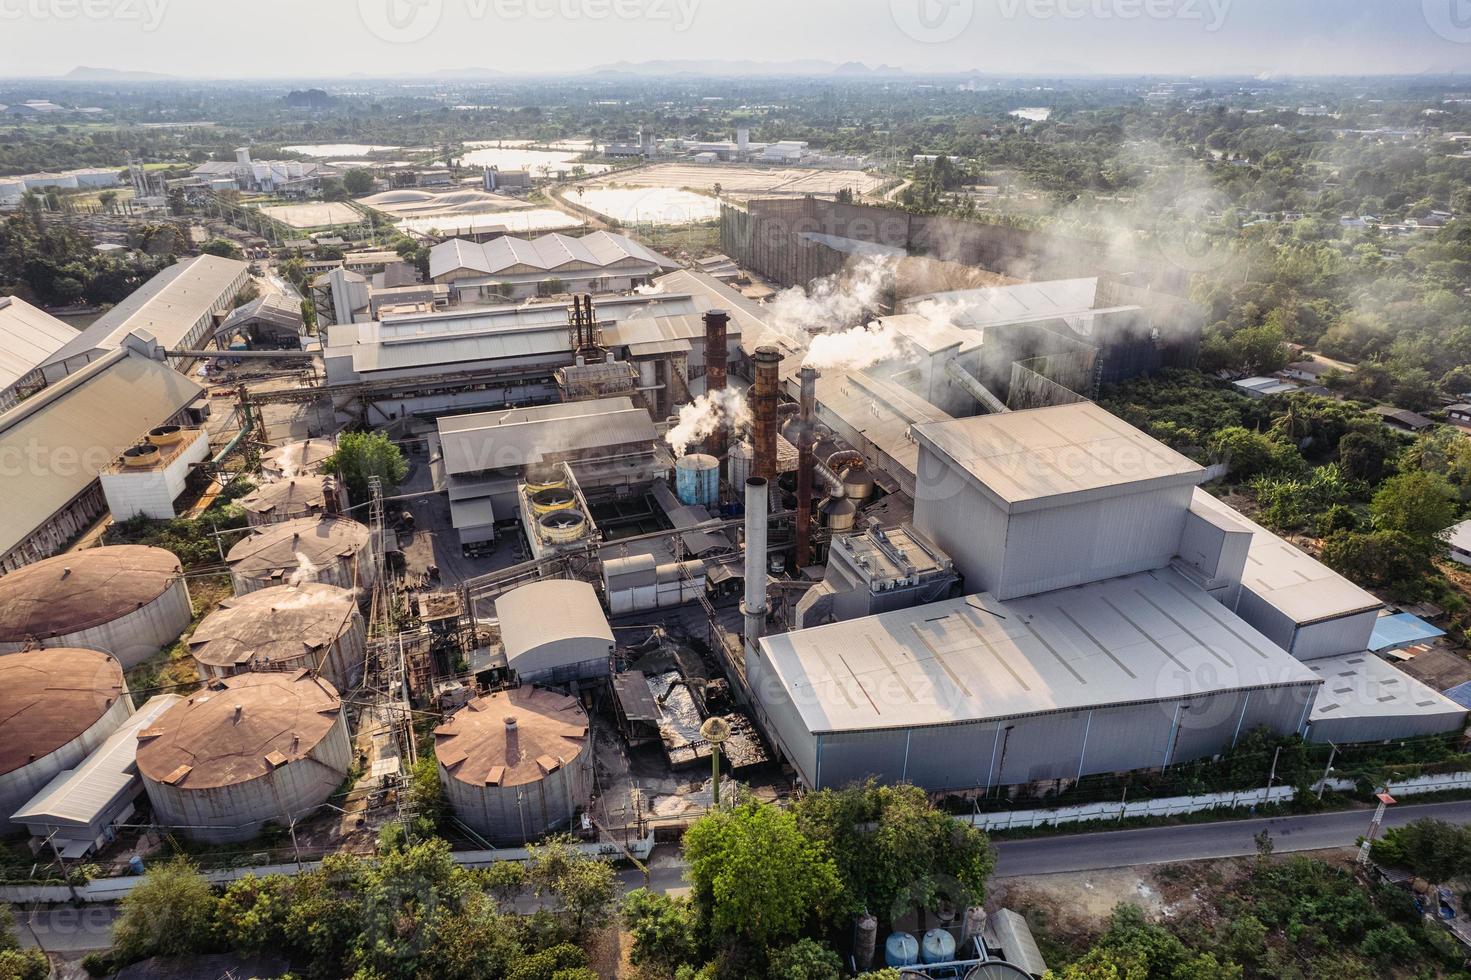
(56, 706)
(290, 499)
(129, 600)
(247, 751)
(284, 628)
(697, 480)
(302, 458)
(516, 765)
(330, 549)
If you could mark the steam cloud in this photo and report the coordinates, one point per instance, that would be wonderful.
(305, 571)
(712, 411)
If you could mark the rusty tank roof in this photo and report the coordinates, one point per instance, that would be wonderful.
(321, 540)
(299, 458)
(49, 697)
(293, 495)
(82, 589)
(238, 730)
(511, 738)
(277, 624)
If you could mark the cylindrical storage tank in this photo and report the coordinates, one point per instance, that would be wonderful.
(840, 514)
(742, 459)
(56, 707)
(303, 458)
(858, 483)
(938, 947)
(516, 765)
(697, 480)
(901, 949)
(129, 600)
(312, 626)
(562, 526)
(334, 550)
(254, 749)
(290, 499)
(552, 498)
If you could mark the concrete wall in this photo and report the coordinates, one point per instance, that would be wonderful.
(238, 812)
(20, 785)
(519, 814)
(134, 637)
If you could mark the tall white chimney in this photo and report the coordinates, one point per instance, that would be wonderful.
(755, 604)
(242, 155)
(743, 141)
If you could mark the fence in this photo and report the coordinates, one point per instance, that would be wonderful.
(1168, 806)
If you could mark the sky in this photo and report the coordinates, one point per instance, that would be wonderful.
(334, 38)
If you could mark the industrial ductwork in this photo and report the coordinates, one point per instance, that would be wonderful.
(980, 392)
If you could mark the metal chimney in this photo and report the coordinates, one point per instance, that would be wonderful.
(717, 443)
(806, 461)
(764, 398)
(755, 605)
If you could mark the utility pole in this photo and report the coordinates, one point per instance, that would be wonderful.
(1332, 751)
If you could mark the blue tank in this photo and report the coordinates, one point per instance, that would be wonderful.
(938, 946)
(697, 480)
(901, 949)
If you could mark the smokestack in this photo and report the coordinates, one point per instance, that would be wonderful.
(755, 604)
(717, 444)
(764, 398)
(806, 461)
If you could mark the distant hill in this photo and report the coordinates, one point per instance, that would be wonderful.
(312, 98)
(804, 66)
(85, 73)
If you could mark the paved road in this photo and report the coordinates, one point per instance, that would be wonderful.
(1203, 841)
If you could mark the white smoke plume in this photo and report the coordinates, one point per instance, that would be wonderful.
(649, 289)
(712, 411)
(291, 456)
(836, 302)
(305, 571)
(855, 349)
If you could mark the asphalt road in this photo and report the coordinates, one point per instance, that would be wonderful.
(1203, 841)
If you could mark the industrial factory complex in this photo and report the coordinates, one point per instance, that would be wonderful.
(636, 499)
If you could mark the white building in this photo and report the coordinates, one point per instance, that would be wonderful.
(28, 337)
(516, 268)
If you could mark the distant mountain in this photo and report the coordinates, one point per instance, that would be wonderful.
(728, 69)
(858, 69)
(84, 73)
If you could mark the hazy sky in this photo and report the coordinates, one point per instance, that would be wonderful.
(265, 38)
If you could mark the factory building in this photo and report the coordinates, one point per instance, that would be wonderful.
(271, 321)
(481, 460)
(255, 749)
(555, 632)
(76, 812)
(177, 308)
(876, 571)
(70, 433)
(293, 498)
(508, 268)
(56, 707)
(517, 764)
(145, 479)
(303, 457)
(331, 549)
(262, 176)
(28, 338)
(312, 626)
(128, 600)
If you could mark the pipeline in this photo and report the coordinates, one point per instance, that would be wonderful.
(979, 391)
(805, 465)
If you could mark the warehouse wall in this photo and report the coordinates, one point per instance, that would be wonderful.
(1334, 637)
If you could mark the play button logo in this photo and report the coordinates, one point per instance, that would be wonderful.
(400, 21)
(932, 21)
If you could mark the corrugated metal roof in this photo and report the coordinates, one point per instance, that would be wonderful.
(28, 338)
(993, 305)
(78, 796)
(879, 409)
(549, 253)
(547, 612)
(1360, 685)
(75, 428)
(518, 437)
(1401, 629)
(1139, 638)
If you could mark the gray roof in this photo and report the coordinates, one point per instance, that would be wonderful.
(270, 308)
(1135, 639)
(878, 408)
(993, 305)
(1360, 685)
(89, 417)
(167, 305)
(518, 437)
(1046, 457)
(77, 797)
(548, 253)
(550, 611)
(28, 338)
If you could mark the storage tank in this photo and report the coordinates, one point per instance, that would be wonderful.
(250, 750)
(840, 514)
(286, 628)
(697, 480)
(301, 458)
(742, 462)
(56, 707)
(290, 499)
(330, 549)
(129, 600)
(858, 483)
(516, 765)
(938, 947)
(901, 949)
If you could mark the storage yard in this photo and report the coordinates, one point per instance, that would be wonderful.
(740, 183)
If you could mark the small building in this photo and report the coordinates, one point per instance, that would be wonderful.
(1401, 418)
(1263, 387)
(271, 322)
(1459, 414)
(1309, 371)
(145, 480)
(555, 632)
(1458, 542)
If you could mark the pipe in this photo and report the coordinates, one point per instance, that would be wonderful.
(754, 606)
(977, 390)
(834, 482)
(717, 356)
(805, 463)
(836, 461)
(767, 363)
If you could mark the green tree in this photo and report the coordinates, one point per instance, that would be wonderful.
(1421, 505)
(169, 913)
(222, 247)
(1379, 559)
(583, 886)
(361, 455)
(806, 959)
(757, 878)
(358, 181)
(1248, 453)
(663, 930)
(17, 963)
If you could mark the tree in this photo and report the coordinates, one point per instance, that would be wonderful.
(757, 878)
(1421, 505)
(358, 181)
(1378, 559)
(1248, 453)
(805, 960)
(222, 247)
(17, 963)
(169, 913)
(361, 455)
(1366, 455)
(663, 930)
(583, 886)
